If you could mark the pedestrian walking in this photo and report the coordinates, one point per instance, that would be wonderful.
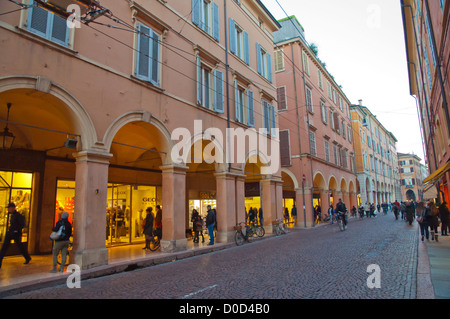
(148, 227)
(331, 213)
(367, 209)
(423, 223)
(434, 221)
(294, 214)
(444, 215)
(158, 222)
(61, 245)
(210, 221)
(14, 232)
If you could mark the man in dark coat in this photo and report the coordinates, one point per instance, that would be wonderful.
(17, 223)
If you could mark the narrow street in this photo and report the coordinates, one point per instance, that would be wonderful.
(304, 264)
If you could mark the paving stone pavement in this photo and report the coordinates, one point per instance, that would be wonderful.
(318, 263)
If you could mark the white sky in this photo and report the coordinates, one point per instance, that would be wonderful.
(362, 44)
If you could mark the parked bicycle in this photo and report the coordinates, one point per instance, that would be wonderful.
(279, 227)
(155, 243)
(258, 229)
(240, 236)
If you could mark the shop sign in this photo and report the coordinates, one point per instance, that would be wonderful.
(207, 195)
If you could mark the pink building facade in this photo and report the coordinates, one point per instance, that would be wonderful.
(316, 138)
(108, 122)
(426, 26)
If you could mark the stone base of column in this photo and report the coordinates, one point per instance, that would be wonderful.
(91, 258)
(224, 237)
(173, 246)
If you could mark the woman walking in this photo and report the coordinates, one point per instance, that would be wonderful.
(434, 221)
(420, 217)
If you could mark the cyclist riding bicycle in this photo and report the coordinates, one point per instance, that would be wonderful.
(342, 210)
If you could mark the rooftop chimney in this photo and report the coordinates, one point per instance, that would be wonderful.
(360, 102)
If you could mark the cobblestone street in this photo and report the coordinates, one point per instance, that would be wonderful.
(315, 263)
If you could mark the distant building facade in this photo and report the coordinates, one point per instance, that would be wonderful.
(316, 139)
(376, 158)
(411, 177)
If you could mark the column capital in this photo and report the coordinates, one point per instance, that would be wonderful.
(174, 169)
(93, 156)
(229, 175)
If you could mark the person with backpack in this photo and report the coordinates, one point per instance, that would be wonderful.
(62, 243)
(14, 232)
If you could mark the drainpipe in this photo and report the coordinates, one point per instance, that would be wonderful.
(227, 80)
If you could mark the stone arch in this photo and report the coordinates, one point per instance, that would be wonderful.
(164, 137)
(291, 175)
(41, 86)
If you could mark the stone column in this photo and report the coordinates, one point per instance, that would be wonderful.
(229, 202)
(173, 208)
(91, 185)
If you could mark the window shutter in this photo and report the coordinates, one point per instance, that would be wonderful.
(266, 117)
(237, 102)
(143, 52)
(216, 26)
(218, 87)
(246, 49)
(259, 58)
(39, 18)
(232, 36)
(155, 59)
(59, 29)
(251, 108)
(199, 80)
(281, 97)
(273, 122)
(285, 150)
(269, 67)
(196, 12)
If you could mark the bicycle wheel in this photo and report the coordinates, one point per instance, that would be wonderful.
(239, 238)
(284, 228)
(277, 230)
(341, 224)
(260, 232)
(154, 245)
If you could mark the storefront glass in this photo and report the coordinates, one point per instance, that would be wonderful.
(253, 203)
(65, 199)
(15, 187)
(126, 210)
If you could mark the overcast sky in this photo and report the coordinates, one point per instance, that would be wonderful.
(362, 44)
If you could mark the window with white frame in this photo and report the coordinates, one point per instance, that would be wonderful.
(244, 105)
(148, 46)
(324, 112)
(305, 62)
(47, 25)
(327, 150)
(210, 87)
(205, 14)
(279, 60)
(264, 62)
(269, 121)
(239, 42)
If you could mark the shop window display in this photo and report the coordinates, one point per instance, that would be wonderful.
(125, 213)
(15, 187)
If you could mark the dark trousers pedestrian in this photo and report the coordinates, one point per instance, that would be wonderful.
(17, 237)
(445, 227)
